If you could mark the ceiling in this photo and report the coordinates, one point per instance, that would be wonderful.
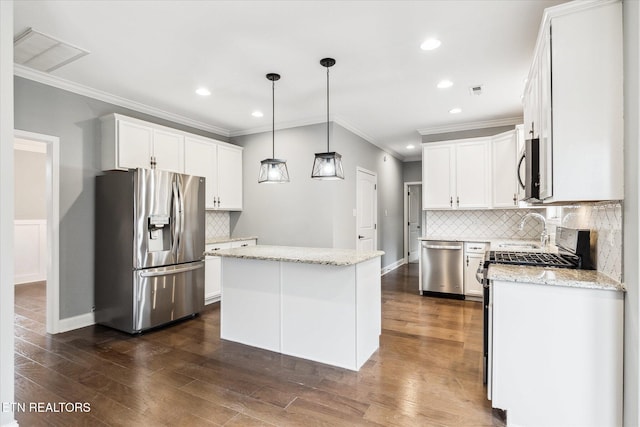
(383, 86)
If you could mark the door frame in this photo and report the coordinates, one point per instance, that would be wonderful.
(53, 223)
(406, 218)
(375, 209)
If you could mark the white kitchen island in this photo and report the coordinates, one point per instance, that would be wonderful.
(318, 304)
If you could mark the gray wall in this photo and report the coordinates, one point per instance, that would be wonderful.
(631, 215)
(74, 119)
(471, 133)
(412, 172)
(30, 185)
(306, 212)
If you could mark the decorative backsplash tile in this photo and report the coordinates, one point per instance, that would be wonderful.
(489, 224)
(217, 224)
(605, 222)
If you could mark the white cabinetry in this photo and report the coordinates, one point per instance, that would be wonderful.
(129, 143)
(573, 102)
(504, 179)
(456, 174)
(213, 268)
(221, 165)
(551, 361)
(473, 257)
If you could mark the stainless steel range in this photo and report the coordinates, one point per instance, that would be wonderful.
(574, 251)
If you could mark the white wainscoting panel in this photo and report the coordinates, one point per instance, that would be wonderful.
(30, 251)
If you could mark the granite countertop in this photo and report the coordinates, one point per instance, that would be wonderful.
(589, 279)
(325, 256)
(215, 240)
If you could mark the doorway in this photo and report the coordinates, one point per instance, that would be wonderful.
(367, 210)
(413, 220)
(43, 233)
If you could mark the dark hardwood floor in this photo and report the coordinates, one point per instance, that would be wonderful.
(427, 371)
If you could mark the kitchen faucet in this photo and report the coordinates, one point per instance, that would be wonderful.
(544, 237)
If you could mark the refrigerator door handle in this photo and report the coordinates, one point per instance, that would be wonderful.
(174, 271)
(175, 238)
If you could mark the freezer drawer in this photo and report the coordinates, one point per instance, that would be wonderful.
(151, 297)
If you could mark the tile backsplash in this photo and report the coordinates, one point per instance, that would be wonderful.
(605, 222)
(217, 224)
(482, 224)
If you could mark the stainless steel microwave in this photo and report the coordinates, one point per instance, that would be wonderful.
(531, 159)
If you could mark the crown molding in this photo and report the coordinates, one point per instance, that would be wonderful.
(432, 130)
(60, 83)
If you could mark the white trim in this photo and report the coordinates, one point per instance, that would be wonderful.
(433, 130)
(76, 322)
(60, 83)
(53, 224)
(31, 146)
(393, 266)
(406, 218)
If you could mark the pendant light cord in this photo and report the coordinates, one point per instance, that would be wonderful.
(327, 109)
(273, 119)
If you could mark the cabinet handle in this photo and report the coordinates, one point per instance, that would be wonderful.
(451, 201)
(467, 261)
(244, 245)
(458, 201)
(515, 199)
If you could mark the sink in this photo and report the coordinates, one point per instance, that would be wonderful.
(519, 245)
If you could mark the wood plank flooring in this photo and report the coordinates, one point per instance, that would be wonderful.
(427, 372)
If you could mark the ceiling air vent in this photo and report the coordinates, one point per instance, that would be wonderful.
(43, 52)
(475, 90)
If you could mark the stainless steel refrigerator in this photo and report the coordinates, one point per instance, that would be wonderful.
(149, 234)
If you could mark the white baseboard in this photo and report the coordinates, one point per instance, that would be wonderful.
(76, 322)
(211, 299)
(393, 266)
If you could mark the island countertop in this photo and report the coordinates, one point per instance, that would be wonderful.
(325, 256)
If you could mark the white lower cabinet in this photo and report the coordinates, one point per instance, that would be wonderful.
(473, 257)
(213, 268)
(556, 354)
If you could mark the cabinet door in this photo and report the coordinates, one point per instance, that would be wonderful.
(229, 178)
(437, 176)
(199, 159)
(134, 145)
(504, 170)
(546, 148)
(531, 106)
(213, 273)
(472, 174)
(168, 150)
(471, 285)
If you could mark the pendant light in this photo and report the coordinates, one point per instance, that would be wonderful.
(327, 165)
(273, 170)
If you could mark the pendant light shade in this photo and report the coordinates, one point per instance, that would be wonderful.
(273, 170)
(327, 165)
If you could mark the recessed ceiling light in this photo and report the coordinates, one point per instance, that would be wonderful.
(411, 147)
(430, 44)
(443, 84)
(203, 91)
(455, 110)
(257, 114)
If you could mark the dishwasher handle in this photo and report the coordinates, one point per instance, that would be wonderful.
(426, 246)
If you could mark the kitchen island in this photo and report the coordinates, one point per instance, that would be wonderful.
(318, 304)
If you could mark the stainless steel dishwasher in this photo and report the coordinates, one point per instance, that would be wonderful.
(441, 268)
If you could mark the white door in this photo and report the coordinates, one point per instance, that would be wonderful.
(229, 178)
(367, 210)
(437, 178)
(414, 223)
(135, 145)
(168, 150)
(199, 160)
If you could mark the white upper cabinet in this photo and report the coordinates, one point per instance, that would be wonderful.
(455, 174)
(438, 179)
(221, 164)
(130, 143)
(229, 162)
(504, 178)
(574, 101)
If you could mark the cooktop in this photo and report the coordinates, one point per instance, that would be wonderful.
(536, 259)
